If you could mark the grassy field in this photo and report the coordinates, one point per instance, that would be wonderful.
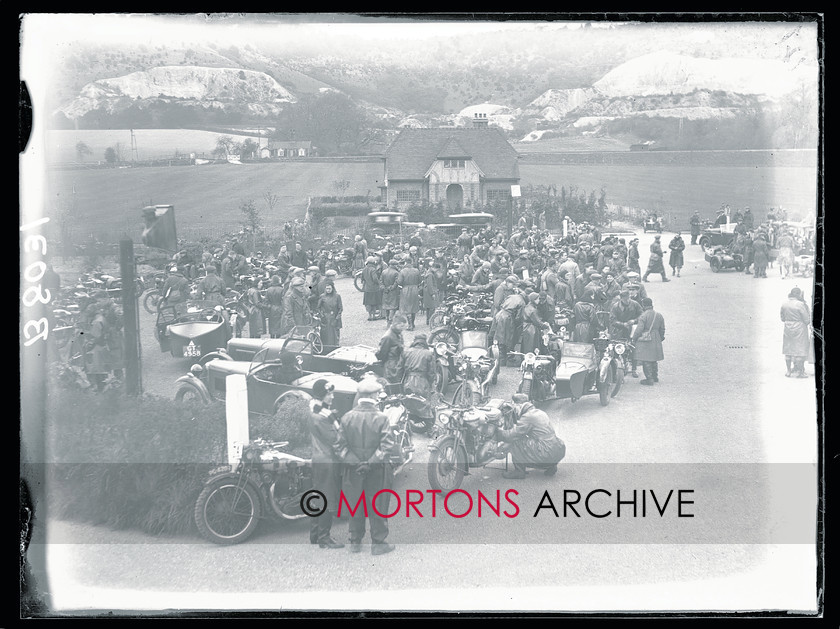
(108, 200)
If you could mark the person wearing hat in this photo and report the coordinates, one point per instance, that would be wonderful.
(300, 257)
(531, 441)
(506, 326)
(594, 292)
(633, 256)
(284, 261)
(326, 466)
(655, 263)
(522, 265)
(696, 224)
(465, 242)
(532, 325)
(480, 280)
(648, 337)
(330, 276)
(296, 311)
(610, 284)
(431, 286)
(420, 373)
(313, 281)
(255, 307)
(391, 349)
(330, 309)
(409, 282)
(365, 446)
(761, 255)
(797, 343)
(289, 369)
(390, 289)
(211, 287)
(176, 291)
(273, 303)
(372, 288)
(360, 252)
(616, 263)
(720, 219)
(624, 314)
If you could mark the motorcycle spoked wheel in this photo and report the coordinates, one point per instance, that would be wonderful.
(151, 300)
(436, 320)
(447, 466)
(619, 380)
(525, 387)
(605, 388)
(359, 283)
(226, 513)
(467, 394)
(445, 334)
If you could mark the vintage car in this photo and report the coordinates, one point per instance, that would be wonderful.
(267, 380)
(192, 332)
(713, 236)
(652, 223)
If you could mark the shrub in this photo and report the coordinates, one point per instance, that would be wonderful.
(130, 462)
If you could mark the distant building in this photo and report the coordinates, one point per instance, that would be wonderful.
(291, 148)
(461, 167)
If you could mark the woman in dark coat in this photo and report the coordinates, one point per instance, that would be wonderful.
(274, 306)
(391, 348)
(430, 293)
(409, 283)
(330, 309)
(675, 261)
(760, 255)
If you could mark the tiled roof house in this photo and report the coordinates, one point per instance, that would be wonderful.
(461, 167)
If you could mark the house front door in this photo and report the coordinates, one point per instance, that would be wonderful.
(454, 197)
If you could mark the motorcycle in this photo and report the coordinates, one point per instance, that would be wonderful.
(267, 483)
(464, 318)
(466, 439)
(399, 419)
(581, 369)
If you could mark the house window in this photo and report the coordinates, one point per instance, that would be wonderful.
(454, 163)
(408, 196)
(497, 195)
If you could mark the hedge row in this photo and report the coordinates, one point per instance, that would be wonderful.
(140, 463)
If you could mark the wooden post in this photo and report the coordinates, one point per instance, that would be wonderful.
(131, 320)
(236, 413)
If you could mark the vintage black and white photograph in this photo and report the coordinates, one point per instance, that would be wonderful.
(367, 313)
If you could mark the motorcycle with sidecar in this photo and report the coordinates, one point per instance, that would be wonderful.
(581, 369)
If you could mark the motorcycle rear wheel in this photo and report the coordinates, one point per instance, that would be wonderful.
(466, 394)
(447, 466)
(436, 320)
(226, 513)
(359, 283)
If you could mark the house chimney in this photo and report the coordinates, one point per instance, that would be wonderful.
(480, 121)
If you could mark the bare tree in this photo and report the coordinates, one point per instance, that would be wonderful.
(271, 201)
(251, 220)
(341, 186)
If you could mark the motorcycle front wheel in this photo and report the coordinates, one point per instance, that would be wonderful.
(359, 283)
(605, 388)
(447, 466)
(619, 380)
(151, 300)
(226, 513)
(467, 394)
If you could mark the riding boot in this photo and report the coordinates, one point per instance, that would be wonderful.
(789, 365)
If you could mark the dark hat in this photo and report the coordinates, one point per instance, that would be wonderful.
(420, 338)
(393, 262)
(532, 297)
(624, 292)
(596, 276)
(313, 268)
(275, 280)
(287, 358)
(321, 388)
(647, 302)
(795, 292)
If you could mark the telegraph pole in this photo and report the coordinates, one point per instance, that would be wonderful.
(131, 319)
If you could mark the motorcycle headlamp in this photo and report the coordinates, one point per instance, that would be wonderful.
(530, 358)
(562, 329)
(444, 418)
(462, 367)
(441, 348)
(619, 348)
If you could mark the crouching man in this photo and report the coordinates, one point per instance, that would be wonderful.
(532, 441)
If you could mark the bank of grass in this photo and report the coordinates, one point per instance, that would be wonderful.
(140, 462)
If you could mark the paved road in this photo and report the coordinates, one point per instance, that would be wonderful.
(722, 411)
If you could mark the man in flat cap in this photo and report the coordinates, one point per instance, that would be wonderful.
(390, 289)
(372, 285)
(326, 466)
(656, 263)
(419, 365)
(295, 306)
(532, 441)
(633, 257)
(365, 445)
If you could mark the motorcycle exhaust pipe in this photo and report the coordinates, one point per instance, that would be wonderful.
(277, 509)
(489, 376)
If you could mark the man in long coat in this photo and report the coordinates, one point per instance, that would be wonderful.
(505, 325)
(633, 256)
(796, 342)
(695, 227)
(326, 466)
(391, 349)
(675, 261)
(274, 304)
(419, 365)
(761, 255)
(430, 291)
(390, 289)
(409, 283)
(532, 325)
(655, 264)
(649, 351)
(295, 306)
(532, 441)
(372, 284)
